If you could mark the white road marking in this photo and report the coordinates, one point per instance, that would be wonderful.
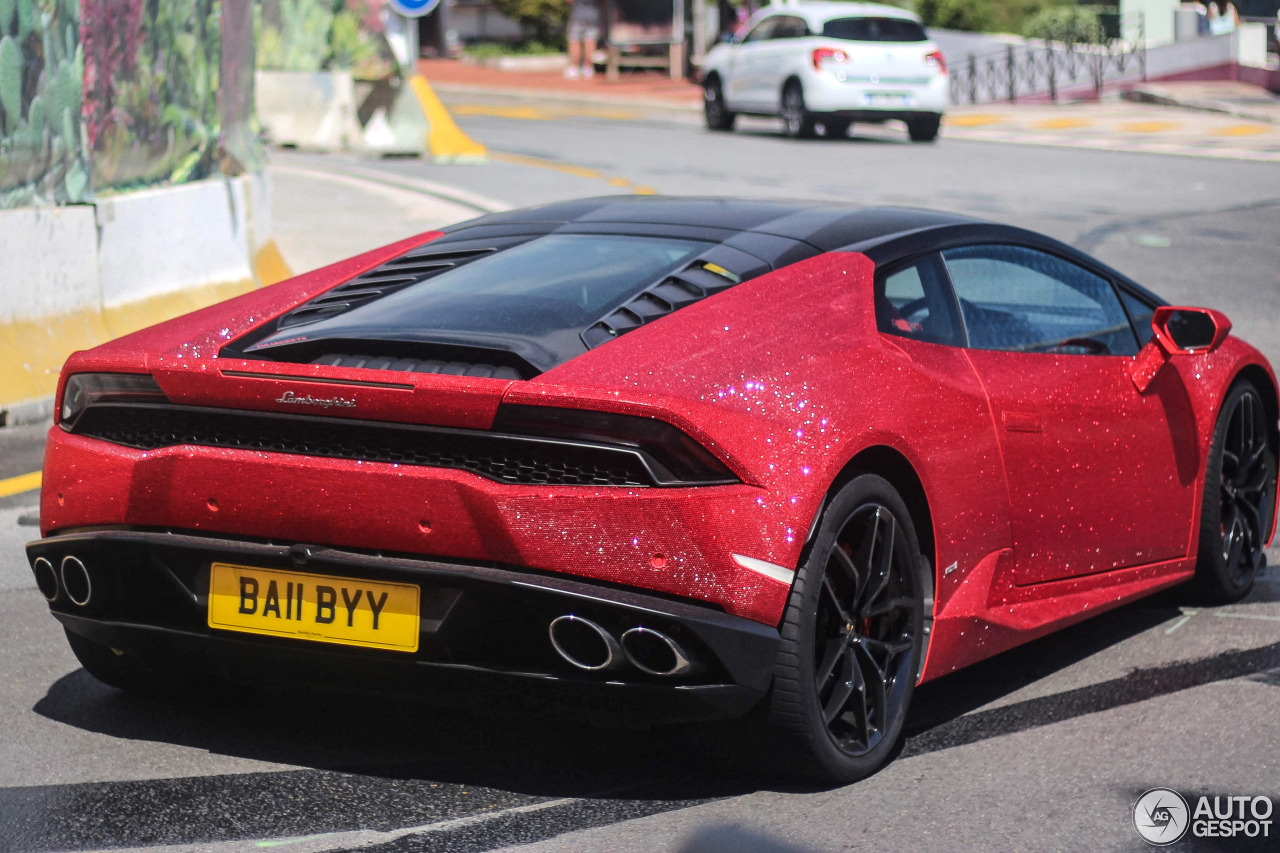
(355, 839)
(1186, 615)
(1248, 616)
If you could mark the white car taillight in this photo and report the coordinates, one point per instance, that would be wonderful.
(936, 60)
(828, 54)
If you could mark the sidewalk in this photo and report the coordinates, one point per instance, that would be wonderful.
(1228, 97)
(326, 208)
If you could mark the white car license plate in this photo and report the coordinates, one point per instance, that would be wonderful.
(887, 99)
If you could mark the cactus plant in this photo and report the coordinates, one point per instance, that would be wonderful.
(10, 83)
(26, 17)
(40, 102)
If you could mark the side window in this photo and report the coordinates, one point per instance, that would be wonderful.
(1014, 298)
(1140, 313)
(790, 28)
(913, 302)
(761, 31)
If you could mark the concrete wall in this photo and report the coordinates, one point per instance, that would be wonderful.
(1157, 20)
(78, 275)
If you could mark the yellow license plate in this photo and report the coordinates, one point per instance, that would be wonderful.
(347, 611)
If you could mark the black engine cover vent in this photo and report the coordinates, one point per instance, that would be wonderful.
(423, 365)
(398, 273)
(700, 279)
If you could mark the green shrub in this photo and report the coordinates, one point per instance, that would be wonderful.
(972, 15)
(543, 19)
(493, 50)
(1066, 24)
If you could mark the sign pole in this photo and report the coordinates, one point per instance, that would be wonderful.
(411, 48)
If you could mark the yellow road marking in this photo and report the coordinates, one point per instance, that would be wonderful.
(1149, 126)
(446, 141)
(18, 485)
(525, 113)
(1062, 123)
(975, 120)
(576, 171)
(1241, 130)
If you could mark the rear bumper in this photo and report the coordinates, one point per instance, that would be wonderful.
(674, 541)
(873, 101)
(483, 632)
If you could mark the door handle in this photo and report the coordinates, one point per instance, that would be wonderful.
(1022, 421)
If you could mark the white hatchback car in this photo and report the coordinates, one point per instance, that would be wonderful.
(828, 64)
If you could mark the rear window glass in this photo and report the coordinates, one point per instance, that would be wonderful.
(874, 29)
(551, 283)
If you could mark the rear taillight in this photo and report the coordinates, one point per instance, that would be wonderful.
(89, 389)
(672, 457)
(828, 54)
(937, 60)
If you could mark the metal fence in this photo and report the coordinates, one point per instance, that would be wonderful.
(1057, 67)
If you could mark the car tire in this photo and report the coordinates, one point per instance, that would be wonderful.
(850, 651)
(797, 121)
(1239, 498)
(835, 128)
(717, 115)
(924, 128)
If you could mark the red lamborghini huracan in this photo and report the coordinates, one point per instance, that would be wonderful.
(653, 459)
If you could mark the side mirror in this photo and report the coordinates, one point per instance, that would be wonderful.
(1191, 330)
(1177, 330)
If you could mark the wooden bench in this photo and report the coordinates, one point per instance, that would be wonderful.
(673, 61)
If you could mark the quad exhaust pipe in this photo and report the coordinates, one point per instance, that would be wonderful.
(46, 578)
(584, 644)
(589, 647)
(75, 581)
(654, 652)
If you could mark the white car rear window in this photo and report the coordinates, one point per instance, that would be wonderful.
(874, 29)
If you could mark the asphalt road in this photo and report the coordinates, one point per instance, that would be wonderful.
(1044, 748)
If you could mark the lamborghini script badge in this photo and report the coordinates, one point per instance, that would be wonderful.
(325, 402)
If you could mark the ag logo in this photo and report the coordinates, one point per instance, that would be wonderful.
(1160, 816)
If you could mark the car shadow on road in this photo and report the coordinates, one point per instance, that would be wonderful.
(856, 138)
(398, 739)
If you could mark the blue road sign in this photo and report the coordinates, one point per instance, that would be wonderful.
(414, 8)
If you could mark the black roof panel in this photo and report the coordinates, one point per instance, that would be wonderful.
(824, 225)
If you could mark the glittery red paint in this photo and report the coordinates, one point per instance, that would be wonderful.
(1055, 488)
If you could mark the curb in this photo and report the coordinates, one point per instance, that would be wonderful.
(1146, 96)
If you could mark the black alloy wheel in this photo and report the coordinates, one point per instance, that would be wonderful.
(714, 110)
(1239, 497)
(797, 121)
(852, 637)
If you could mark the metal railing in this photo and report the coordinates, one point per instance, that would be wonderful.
(1048, 70)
